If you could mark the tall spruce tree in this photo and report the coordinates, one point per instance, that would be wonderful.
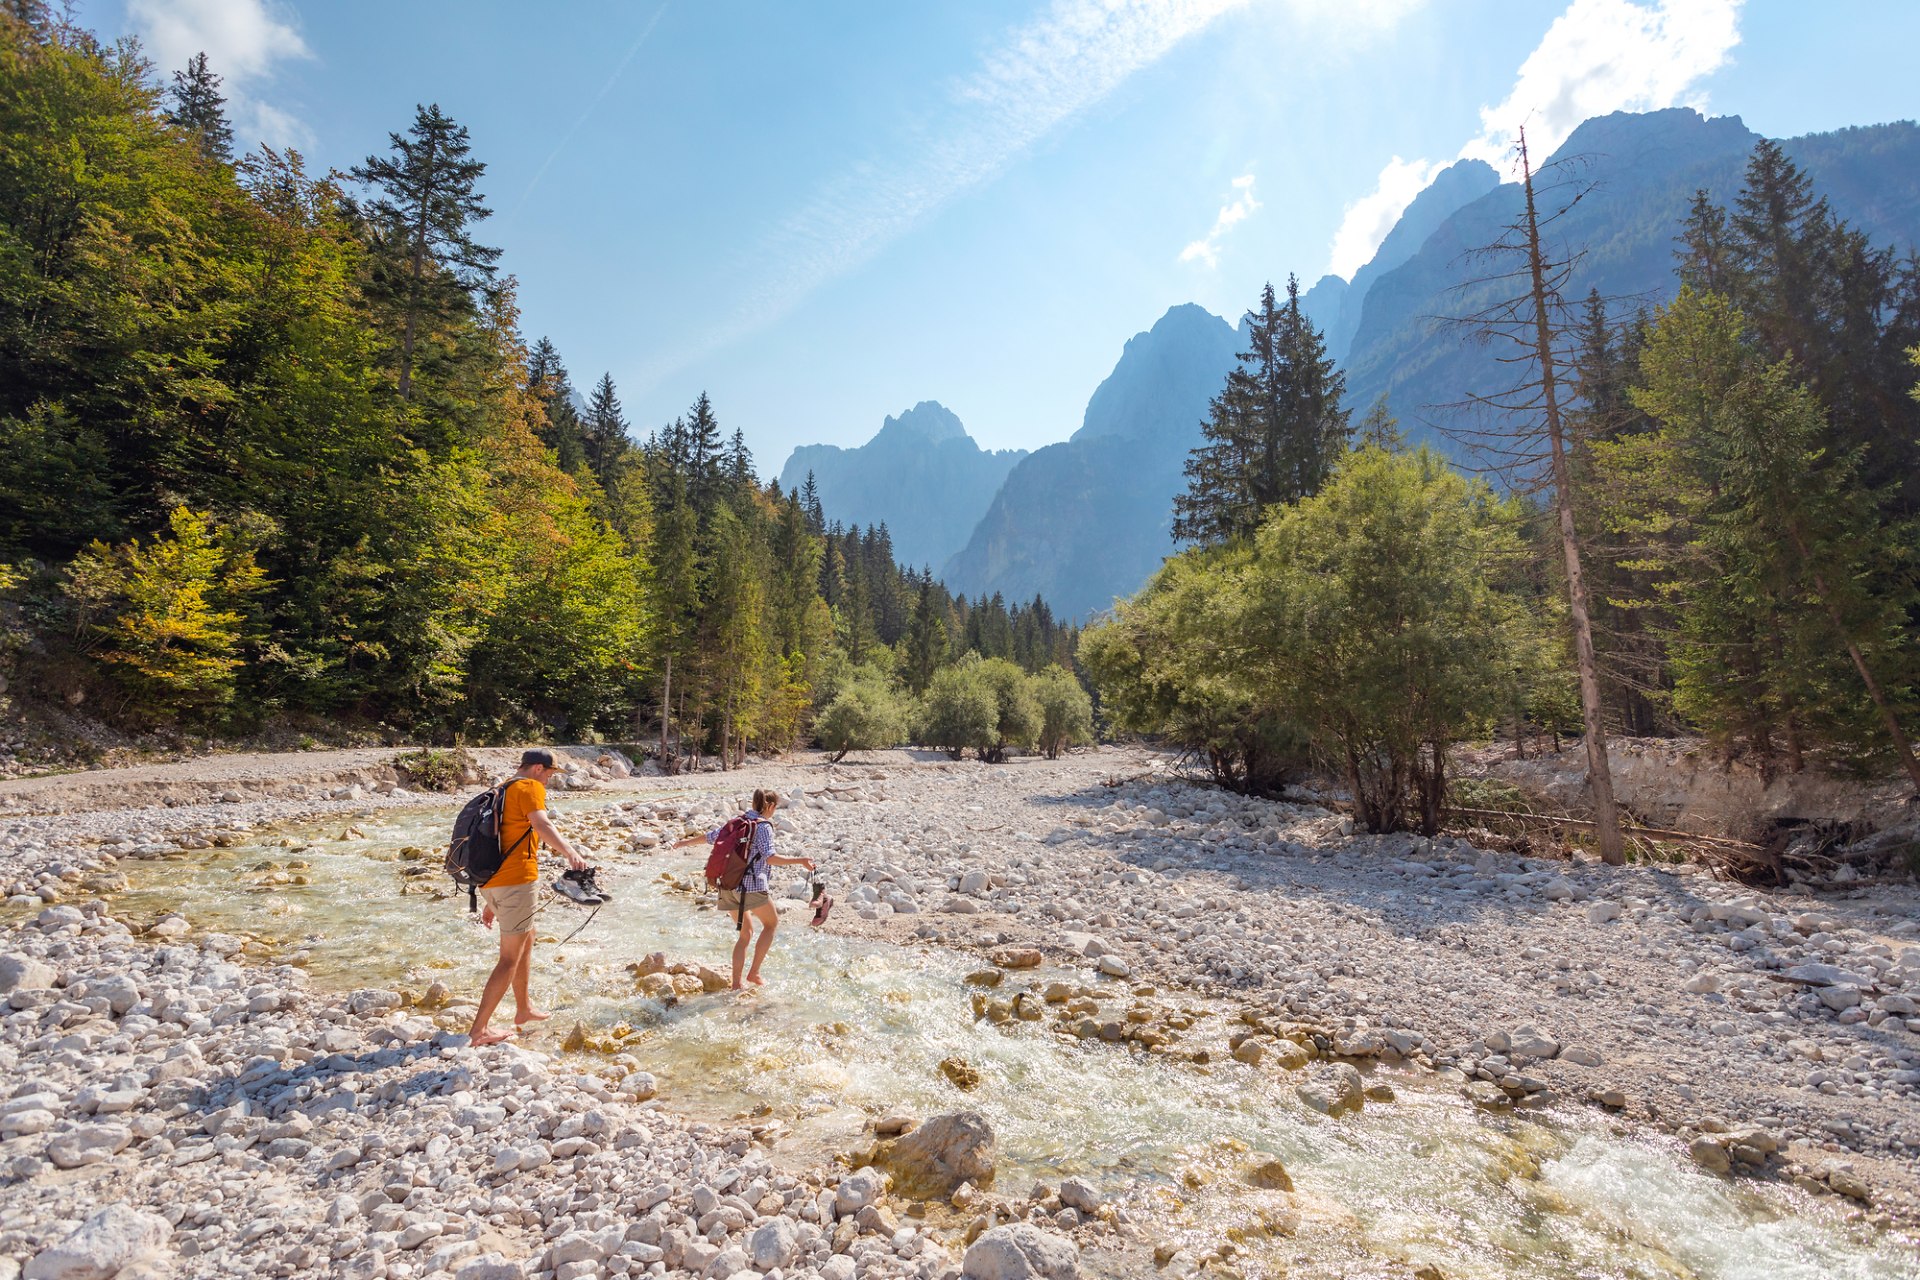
(199, 109)
(559, 428)
(604, 428)
(429, 267)
(1275, 431)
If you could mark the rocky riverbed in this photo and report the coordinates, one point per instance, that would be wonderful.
(179, 1097)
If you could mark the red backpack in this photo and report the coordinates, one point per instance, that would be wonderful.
(727, 864)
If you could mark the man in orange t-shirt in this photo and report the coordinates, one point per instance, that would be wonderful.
(510, 894)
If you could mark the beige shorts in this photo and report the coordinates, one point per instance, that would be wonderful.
(730, 900)
(512, 907)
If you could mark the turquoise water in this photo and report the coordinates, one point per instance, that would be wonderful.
(847, 1029)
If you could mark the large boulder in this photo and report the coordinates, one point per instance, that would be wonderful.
(933, 1160)
(108, 1241)
(1334, 1090)
(1020, 1251)
(24, 973)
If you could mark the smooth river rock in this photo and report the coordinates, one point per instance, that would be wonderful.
(1020, 1252)
(102, 1245)
(934, 1159)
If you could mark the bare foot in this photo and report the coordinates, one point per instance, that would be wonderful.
(525, 1016)
(738, 987)
(480, 1039)
(756, 980)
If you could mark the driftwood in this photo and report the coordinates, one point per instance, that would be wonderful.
(1650, 833)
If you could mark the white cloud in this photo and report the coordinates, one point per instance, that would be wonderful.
(1232, 214)
(1608, 55)
(1599, 56)
(244, 40)
(1365, 222)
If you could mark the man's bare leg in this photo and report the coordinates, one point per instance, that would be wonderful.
(524, 1012)
(514, 949)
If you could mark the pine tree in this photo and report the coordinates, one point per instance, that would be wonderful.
(1704, 257)
(926, 640)
(559, 428)
(1275, 431)
(1790, 535)
(198, 108)
(810, 501)
(604, 429)
(703, 454)
(425, 204)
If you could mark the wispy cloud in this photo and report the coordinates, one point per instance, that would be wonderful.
(1235, 211)
(1609, 55)
(1366, 221)
(1034, 80)
(587, 112)
(1598, 56)
(244, 40)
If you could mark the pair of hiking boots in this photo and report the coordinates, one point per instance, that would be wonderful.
(583, 886)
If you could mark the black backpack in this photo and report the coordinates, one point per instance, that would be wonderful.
(474, 855)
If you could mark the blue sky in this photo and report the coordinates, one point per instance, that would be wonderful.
(824, 212)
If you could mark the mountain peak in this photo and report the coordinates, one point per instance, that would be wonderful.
(929, 420)
(1188, 349)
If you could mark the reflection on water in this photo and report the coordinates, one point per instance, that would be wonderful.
(847, 1029)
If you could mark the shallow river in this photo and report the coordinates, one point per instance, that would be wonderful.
(848, 1028)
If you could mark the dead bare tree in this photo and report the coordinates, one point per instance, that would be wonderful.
(1520, 433)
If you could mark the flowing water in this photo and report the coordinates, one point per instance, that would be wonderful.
(848, 1029)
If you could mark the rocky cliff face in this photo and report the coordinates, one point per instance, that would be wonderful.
(921, 475)
(1089, 520)
(1639, 172)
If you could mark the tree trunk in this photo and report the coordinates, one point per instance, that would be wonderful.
(666, 709)
(1599, 775)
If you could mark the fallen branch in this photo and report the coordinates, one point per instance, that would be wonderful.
(1652, 833)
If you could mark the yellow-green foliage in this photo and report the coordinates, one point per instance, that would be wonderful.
(165, 616)
(1066, 712)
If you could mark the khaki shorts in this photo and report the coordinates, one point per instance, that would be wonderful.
(730, 900)
(512, 907)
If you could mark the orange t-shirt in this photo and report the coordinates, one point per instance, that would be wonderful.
(525, 797)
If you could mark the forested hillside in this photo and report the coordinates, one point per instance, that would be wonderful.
(274, 450)
(1707, 521)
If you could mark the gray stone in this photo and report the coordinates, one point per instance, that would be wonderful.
(1020, 1252)
(1827, 975)
(938, 1156)
(89, 1144)
(1334, 1090)
(857, 1190)
(108, 1241)
(1709, 1155)
(1527, 1041)
(118, 990)
(1078, 1193)
(490, 1266)
(776, 1244)
(24, 973)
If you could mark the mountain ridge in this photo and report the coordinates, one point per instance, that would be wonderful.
(920, 474)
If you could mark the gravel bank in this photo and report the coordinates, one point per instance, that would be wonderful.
(1772, 1034)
